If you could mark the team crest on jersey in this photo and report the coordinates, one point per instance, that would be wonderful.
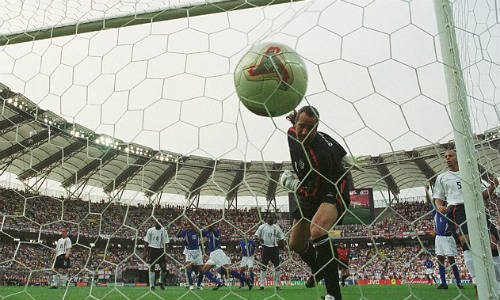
(271, 66)
(301, 164)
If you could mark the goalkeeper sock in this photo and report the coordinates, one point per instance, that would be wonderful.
(454, 268)
(442, 274)
(262, 277)
(326, 252)
(212, 278)
(189, 276)
(152, 278)
(309, 257)
(470, 264)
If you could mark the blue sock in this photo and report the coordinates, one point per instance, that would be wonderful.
(239, 276)
(190, 278)
(211, 277)
(442, 274)
(454, 268)
(200, 278)
(251, 276)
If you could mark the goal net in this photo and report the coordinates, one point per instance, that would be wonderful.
(119, 115)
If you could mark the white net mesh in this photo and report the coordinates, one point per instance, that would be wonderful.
(157, 100)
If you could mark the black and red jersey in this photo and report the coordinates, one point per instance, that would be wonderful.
(318, 165)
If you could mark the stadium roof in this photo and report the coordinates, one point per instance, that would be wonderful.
(38, 144)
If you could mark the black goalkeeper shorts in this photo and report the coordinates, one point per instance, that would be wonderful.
(307, 207)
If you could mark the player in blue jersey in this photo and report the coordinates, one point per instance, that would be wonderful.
(218, 258)
(444, 243)
(429, 271)
(194, 257)
(247, 247)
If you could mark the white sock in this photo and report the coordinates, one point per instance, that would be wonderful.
(151, 279)
(65, 280)
(469, 263)
(496, 266)
(61, 280)
(262, 277)
(55, 280)
(277, 274)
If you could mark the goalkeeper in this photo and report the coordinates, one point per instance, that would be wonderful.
(320, 184)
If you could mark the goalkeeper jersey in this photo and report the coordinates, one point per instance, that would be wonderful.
(324, 155)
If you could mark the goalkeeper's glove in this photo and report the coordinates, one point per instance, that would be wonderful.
(289, 180)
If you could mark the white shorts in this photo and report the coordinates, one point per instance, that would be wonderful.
(195, 257)
(429, 271)
(246, 261)
(218, 259)
(445, 246)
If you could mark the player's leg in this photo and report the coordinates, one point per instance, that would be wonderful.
(343, 272)
(152, 275)
(494, 236)
(189, 270)
(55, 277)
(250, 267)
(237, 275)
(266, 257)
(456, 273)
(242, 271)
(301, 244)
(163, 274)
(442, 272)
(450, 251)
(275, 259)
(459, 220)
(323, 220)
(205, 271)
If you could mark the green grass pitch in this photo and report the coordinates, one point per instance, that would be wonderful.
(370, 292)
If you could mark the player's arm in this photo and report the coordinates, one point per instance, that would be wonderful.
(440, 205)
(491, 188)
(147, 239)
(439, 196)
(292, 116)
(427, 197)
(258, 234)
(281, 238)
(68, 251)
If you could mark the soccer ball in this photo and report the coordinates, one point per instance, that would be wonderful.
(271, 79)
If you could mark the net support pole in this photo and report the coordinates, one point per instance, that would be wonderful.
(466, 154)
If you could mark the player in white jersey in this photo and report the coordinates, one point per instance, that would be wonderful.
(156, 238)
(448, 187)
(61, 260)
(272, 238)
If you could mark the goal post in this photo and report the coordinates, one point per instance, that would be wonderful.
(466, 153)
